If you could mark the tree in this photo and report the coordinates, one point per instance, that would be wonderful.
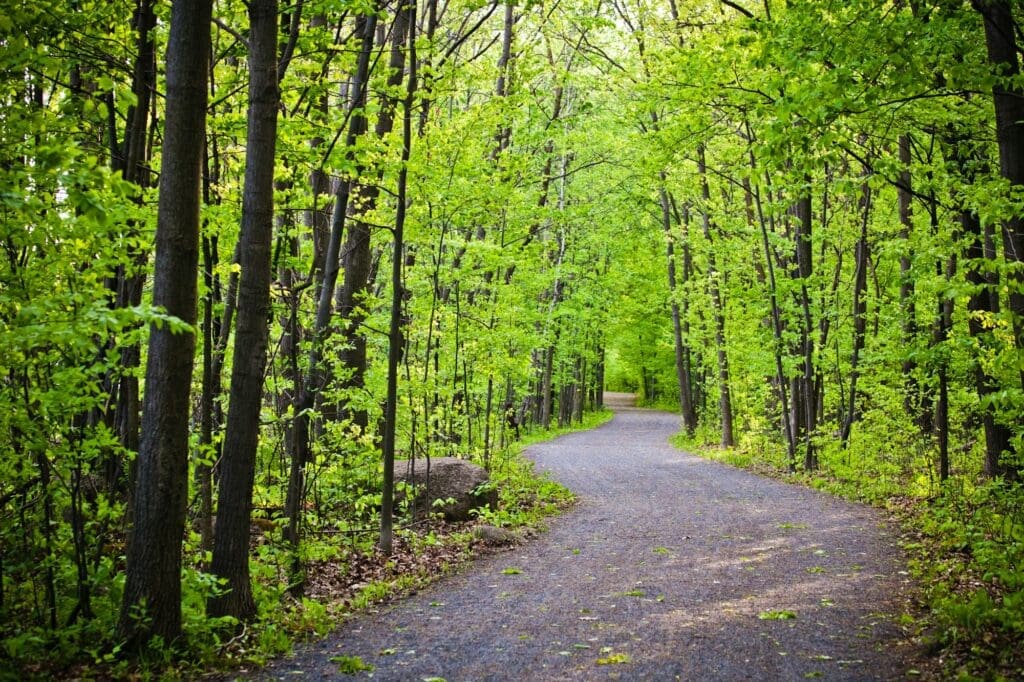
(131, 158)
(151, 606)
(357, 255)
(1001, 40)
(717, 307)
(238, 463)
(396, 339)
(305, 399)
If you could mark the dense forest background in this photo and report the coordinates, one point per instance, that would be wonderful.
(252, 252)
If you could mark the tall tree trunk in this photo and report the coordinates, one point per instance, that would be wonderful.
(132, 160)
(718, 309)
(153, 571)
(984, 303)
(241, 437)
(1001, 40)
(776, 314)
(860, 287)
(689, 415)
(807, 404)
(357, 258)
(982, 306)
(306, 398)
(501, 87)
(904, 188)
(396, 340)
(207, 451)
(944, 324)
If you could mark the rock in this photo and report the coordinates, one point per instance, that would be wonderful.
(494, 536)
(450, 478)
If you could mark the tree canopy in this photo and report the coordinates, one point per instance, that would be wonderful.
(240, 278)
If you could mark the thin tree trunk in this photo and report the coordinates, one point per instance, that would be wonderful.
(808, 403)
(904, 196)
(776, 315)
(718, 309)
(501, 86)
(306, 398)
(545, 397)
(357, 258)
(396, 340)
(207, 453)
(860, 285)
(980, 304)
(132, 161)
(681, 351)
(944, 324)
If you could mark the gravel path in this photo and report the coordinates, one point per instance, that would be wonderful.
(667, 570)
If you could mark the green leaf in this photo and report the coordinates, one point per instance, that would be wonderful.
(351, 665)
(614, 659)
(777, 615)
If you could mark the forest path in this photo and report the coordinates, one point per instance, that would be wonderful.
(666, 570)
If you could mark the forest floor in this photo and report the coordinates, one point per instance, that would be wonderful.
(670, 567)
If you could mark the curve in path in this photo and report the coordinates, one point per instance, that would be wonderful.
(671, 567)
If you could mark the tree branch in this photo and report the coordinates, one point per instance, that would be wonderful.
(742, 10)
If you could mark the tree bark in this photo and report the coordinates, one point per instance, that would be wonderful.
(1000, 38)
(860, 286)
(305, 400)
(153, 572)
(714, 287)
(983, 303)
(911, 401)
(776, 315)
(132, 161)
(806, 405)
(396, 339)
(944, 324)
(357, 258)
(689, 415)
(241, 438)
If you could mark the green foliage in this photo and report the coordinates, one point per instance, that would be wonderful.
(613, 657)
(351, 665)
(970, 554)
(534, 276)
(771, 614)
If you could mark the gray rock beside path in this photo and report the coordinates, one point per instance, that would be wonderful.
(448, 485)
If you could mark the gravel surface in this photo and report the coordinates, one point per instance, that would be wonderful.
(669, 568)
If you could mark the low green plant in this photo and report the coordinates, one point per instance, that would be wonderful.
(773, 614)
(614, 658)
(351, 665)
(969, 553)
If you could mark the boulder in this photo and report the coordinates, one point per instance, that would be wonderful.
(494, 536)
(448, 478)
